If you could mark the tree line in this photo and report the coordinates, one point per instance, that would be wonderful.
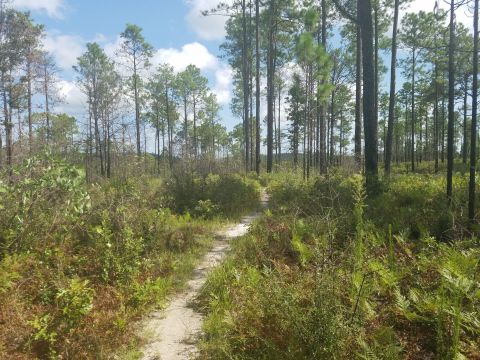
(322, 62)
(319, 64)
(128, 101)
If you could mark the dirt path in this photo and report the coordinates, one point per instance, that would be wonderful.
(171, 333)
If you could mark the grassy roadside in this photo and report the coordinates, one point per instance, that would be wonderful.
(330, 274)
(80, 264)
(184, 265)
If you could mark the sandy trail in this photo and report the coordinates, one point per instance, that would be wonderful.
(171, 334)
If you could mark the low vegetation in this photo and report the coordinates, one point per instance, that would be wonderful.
(79, 263)
(370, 248)
(328, 274)
(213, 195)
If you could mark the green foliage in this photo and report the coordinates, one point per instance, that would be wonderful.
(119, 252)
(384, 346)
(206, 209)
(303, 250)
(9, 272)
(74, 255)
(374, 287)
(44, 190)
(214, 195)
(269, 314)
(75, 301)
(45, 335)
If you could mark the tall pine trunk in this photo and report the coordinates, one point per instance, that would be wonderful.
(451, 102)
(246, 119)
(257, 87)
(375, 22)
(270, 88)
(435, 110)
(322, 109)
(137, 107)
(358, 102)
(413, 109)
(369, 116)
(473, 133)
(47, 107)
(29, 104)
(465, 129)
(391, 103)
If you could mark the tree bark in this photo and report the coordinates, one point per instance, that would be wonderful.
(279, 130)
(436, 112)
(465, 125)
(370, 119)
(332, 126)
(246, 119)
(391, 103)
(29, 104)
(137, 106)
(47, 109)
(451, 102)
(473, 133)
(257, 87)
(358, 102)
(270, 88)
(413, 110)
(376, 40)
(322, 109)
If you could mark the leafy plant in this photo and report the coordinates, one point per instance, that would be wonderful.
(75, 301)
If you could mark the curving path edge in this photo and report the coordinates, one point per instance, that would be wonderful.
(172, 333)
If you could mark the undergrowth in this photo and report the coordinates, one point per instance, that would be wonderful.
(211, 196)
(330, 274)
(79, 263)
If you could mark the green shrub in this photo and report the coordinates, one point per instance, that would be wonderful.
(267, 314)
(206, 209)
(56, 232)
(75, 301)
(44, 193)
(377, 277)
(214, 195)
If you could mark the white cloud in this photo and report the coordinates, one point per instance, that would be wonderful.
(53, 8)
(65, 48)
(421, 5)
(111, 48)
(223, 85)
(100, 38)
(462, 13)
(206, 27)
(74, 101)
(198, 55)
(193, 53)
(179, 58)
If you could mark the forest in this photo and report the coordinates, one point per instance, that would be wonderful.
(338, 219)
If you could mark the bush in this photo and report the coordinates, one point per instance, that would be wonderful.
(214, 195)
(43, 194)
(331, 274)
(417, 205)
(412, 204)
(78, 262)
(274, 312)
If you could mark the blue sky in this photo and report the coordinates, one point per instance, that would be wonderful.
(164, 22)
(175, 28)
